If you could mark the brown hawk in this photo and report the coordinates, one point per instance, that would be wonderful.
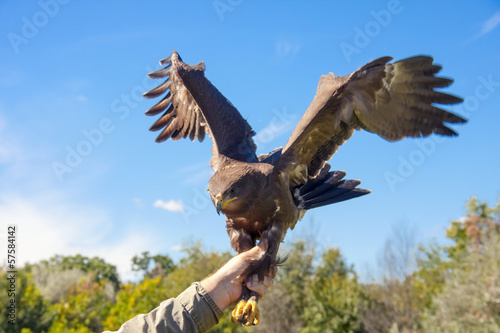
(262, 196)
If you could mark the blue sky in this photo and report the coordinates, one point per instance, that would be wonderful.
(81, 173)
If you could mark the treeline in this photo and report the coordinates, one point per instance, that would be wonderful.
(419, 288)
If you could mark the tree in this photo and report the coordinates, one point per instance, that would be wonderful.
(285, 301)
(85, 309)
(135, 299)
(312, 297)
(470, 296)
(55, 283)
(473, 230)
(31, 309)
(394, 302)
(100, 269)
(334, 298)
(153, 266)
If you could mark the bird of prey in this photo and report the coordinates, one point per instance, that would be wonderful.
(262, 196)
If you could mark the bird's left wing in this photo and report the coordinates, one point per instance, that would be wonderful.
(394, 100)
(192, 106)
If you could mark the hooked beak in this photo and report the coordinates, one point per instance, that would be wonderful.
(220, 204)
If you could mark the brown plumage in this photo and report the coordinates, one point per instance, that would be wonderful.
(263, 196)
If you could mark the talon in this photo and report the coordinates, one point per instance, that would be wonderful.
(246, 313)
(237, 313)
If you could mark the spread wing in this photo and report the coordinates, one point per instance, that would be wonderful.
(192, 106)
(394, 100)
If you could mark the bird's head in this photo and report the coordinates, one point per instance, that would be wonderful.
(234, 189)
(224, 198)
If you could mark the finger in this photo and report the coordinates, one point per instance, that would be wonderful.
(268, 282)
(240, 262)
(258, 287)
(255, 253)
(263, 244)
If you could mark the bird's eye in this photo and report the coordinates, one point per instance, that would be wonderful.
(233, 190)
(208, 190)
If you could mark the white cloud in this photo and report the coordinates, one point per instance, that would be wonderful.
(51, 226)
(50, 216)
(171, 205)
(131, 244)
(490, 24)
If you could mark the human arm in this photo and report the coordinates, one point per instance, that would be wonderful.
(200, 306)
(224, 286)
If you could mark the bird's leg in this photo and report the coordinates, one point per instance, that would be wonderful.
(247, 312)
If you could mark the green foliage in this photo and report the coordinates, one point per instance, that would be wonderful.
(287, 298)
(334, 297)
(393, 303)
(470, 296)
(476, 227)
(297, 272)
(453, 288)
(195, 266)
(432, 264)
(135, 299)
(101, 271)
(313, 298)
(85, 309)
(450, 289)
(55, 283)
(470, 299)
(32, 310)
(153, 266)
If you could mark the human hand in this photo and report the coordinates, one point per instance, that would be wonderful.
(224, 286)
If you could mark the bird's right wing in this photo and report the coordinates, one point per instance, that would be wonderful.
(193, 106)
(394, 100)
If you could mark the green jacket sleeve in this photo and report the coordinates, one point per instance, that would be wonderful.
(192, 311)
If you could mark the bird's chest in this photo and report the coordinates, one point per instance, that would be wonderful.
(276, 206)
(255, 219)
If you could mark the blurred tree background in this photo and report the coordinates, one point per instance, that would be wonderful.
(420, 287)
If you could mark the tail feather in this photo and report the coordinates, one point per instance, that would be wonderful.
(333, 180)
(357, 192)
(329, 187)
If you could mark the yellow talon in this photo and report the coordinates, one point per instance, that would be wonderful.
(246, 313)
(237, 313)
